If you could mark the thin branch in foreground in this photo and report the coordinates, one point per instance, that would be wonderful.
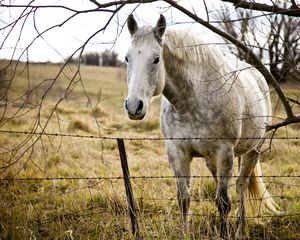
(285, 122)
(294, 101)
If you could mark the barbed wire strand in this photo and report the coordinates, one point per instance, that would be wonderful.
(139, 177)
(140, 138)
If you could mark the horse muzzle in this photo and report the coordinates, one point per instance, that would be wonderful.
(135, 109)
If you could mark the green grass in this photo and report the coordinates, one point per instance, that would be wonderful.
(96, 208)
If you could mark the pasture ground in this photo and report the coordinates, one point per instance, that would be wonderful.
(81, 196)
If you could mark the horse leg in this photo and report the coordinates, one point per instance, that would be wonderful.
(180, 162)
(224, 160)
(248, 162)
(211, 165)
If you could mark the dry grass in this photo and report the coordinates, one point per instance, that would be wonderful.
(96, 208)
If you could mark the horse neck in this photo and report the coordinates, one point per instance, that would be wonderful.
(184, 80)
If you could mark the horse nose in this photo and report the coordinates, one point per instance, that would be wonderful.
(134, 107)
(140, 107)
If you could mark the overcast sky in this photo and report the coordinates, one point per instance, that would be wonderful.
(61, 42)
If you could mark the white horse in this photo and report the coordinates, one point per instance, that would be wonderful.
(218, 111)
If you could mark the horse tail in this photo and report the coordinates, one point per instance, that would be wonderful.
(259, 198)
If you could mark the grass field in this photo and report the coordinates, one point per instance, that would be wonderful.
(91, 202)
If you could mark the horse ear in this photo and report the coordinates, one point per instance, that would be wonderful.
(131, 24)
(160, 27)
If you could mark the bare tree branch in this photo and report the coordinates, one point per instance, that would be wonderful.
(283, 123)
(294, 101)
(293, 11)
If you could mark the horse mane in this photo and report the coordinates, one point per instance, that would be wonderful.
(184, 46)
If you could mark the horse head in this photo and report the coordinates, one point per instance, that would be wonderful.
(145, 66)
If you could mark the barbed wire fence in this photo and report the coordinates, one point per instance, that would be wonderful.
(92, 181)
(135, 205)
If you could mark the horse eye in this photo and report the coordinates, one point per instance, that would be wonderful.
(126, 59)
(156, 61)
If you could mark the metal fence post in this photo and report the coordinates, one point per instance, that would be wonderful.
(128, 188)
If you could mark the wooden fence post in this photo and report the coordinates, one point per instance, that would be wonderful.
(128, 188)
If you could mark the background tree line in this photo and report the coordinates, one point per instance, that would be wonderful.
(107, 58)
(275, 39)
